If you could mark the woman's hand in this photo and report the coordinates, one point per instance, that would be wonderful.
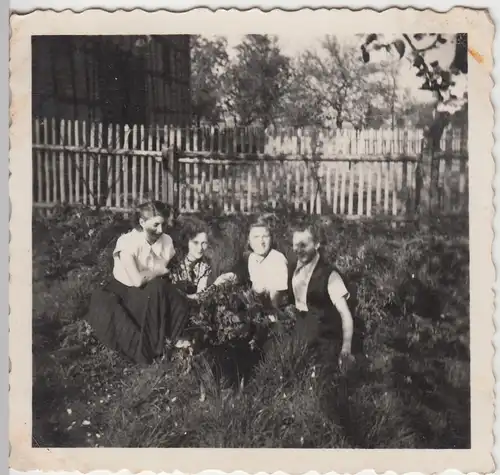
(225, 278)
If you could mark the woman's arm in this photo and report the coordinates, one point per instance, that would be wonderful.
(136, 277)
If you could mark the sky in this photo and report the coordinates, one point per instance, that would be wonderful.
(295, 43)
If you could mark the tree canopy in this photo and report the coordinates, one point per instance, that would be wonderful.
(258, 80)
(209, 61)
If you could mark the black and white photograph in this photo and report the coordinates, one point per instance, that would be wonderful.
(255, 240)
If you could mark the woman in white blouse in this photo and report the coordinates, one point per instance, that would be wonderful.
(140, 309)
(264, 268)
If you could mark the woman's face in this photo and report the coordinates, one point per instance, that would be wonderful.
(153, 227)
(197, 246)
(259, 240)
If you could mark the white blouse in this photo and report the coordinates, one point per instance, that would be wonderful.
(269, 273)
(147, 257)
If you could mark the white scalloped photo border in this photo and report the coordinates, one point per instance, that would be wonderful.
(203, 20)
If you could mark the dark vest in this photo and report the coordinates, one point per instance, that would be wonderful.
(323, 319)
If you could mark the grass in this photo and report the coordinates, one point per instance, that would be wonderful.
(409, 389)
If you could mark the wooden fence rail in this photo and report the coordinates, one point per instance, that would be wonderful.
(117, 166)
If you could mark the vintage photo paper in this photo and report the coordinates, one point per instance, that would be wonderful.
(251, 230)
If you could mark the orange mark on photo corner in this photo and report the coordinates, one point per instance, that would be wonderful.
(478, 57)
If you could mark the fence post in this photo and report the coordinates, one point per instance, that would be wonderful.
(169, 175)
(427, 181)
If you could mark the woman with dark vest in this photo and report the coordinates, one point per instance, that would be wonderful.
(319, 294)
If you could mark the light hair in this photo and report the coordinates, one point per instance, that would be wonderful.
(261, 222)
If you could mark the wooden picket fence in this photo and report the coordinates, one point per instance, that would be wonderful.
(367, 174)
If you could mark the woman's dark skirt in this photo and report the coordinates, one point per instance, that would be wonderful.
(137, 321)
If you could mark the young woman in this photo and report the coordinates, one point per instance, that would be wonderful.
(265, 268)
(191, 268)
(140, 309)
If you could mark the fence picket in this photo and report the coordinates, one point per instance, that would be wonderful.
(249, 170)
(271, 185)
(157, 164)
(297, 187)
(195, 187)
(313, 184)
(404, 187)
(369, 189)
(61, 162)
(304, 189)
(447, 184)
(109, 168)
(211, 168)
(343, 187)
(350, 208)
(328, 184)
(38, 162)
(126, 168)
(150, 166)
(70, 159)
(78, 162)
(463, 202)
(394, 179)
(92, 193)
(142, 138)
(335, 189)
(46, 158)
(195, 136)
(386, 169)
(319, 187)
(188, 187)
(361, 190)
(410, 187)
(118, 167)
(232, 184)
(134, 165)
(378, 186)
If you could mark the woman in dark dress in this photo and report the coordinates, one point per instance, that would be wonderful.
(191, 269)
(140, 310)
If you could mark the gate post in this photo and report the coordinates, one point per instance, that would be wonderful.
(169, 176)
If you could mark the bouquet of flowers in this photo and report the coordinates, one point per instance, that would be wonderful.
(229, 311)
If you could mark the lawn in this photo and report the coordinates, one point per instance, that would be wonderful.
(409, 388)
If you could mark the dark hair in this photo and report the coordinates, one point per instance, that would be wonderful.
(189, 228)
(315, 230)
(149, 210)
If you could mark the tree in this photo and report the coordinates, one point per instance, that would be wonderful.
(257, 81)
(445, 77)
(209, 62)
(300, 108)
(345, 87)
